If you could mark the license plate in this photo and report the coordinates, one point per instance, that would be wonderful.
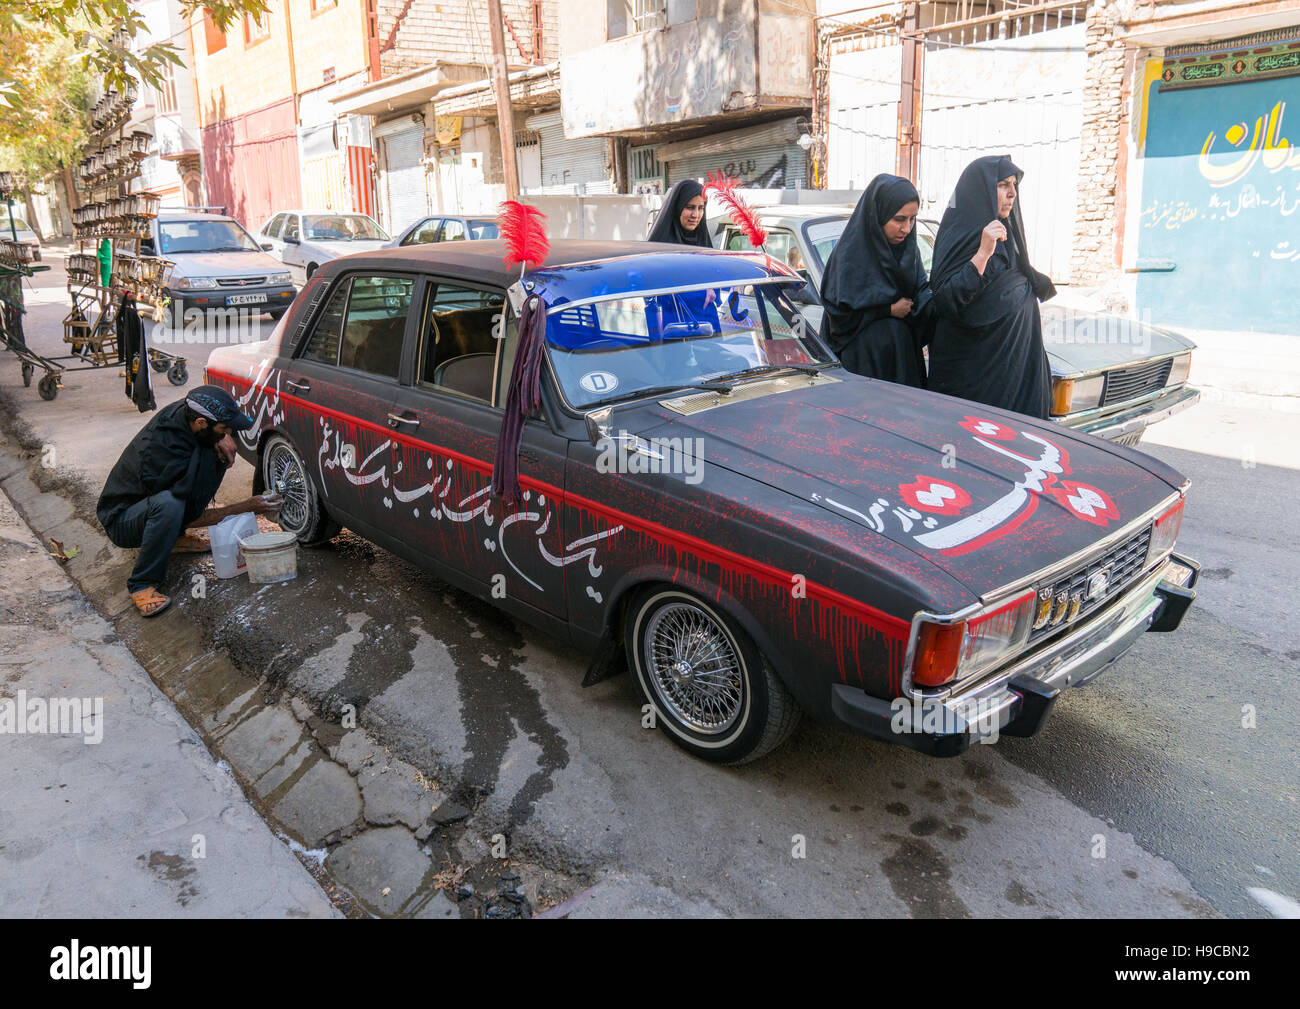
(246, 299)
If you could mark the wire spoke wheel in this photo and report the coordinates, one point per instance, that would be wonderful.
(285, 476)
(694, 668)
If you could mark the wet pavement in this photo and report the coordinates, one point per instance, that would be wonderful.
(432, 757)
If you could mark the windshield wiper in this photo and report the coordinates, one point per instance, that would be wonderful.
(660, 390)
(230, 248)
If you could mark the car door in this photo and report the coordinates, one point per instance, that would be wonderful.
(270, 235)
(291, 242)
(453, 230)
(424, 233)
(341, 386)
(450, 414)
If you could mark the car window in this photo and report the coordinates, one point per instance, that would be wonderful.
(204, 236)
(481, 230)
(323, 344)
(458, 342)
(453, 231)
(780, 245)
(342, 228)
(273, 229)
(425, 233)
(375, 324)
(291, 227)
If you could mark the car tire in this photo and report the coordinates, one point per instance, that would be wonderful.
(302, 514)
(741, 713)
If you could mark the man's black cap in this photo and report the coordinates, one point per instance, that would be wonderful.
(218, 406)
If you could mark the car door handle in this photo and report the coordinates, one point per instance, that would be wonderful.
(300, 386)
(395, 419)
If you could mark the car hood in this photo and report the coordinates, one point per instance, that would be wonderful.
(336, 249)
(1089, 341)
(987, 496)
(222, 264)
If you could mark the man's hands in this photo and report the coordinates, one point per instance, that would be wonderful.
(226, 451)
(901, 308)
(260, 504)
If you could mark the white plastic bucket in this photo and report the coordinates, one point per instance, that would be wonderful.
(271, 557)
(225, 535)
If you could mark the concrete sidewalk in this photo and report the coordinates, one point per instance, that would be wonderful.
(126, 814)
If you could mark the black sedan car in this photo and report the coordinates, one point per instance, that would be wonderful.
(706, 494)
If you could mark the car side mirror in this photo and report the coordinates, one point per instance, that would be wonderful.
(292, 241)
(266, 246)
(598, 425)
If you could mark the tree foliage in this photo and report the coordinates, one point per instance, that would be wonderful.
(56, 55)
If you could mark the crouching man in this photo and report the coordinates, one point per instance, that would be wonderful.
(164, 482)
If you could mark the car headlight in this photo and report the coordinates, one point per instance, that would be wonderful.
(1070, 395)
(279, 279)
(1164, 534)
(1181, 370)
(948, 652)
(195, 283)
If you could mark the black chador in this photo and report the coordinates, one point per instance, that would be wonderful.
(866, 276)
(988, 342)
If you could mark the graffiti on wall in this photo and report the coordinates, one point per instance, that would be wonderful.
(1220, 202)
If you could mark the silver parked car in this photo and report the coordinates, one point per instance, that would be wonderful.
(17, 230)
(218, 265)
(448, 228)
(1111, 376)
(304, 239)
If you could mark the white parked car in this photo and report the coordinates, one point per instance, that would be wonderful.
(304, 239)
(25, 235)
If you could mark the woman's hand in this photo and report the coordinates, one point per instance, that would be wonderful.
(901, 308)
(994, 232)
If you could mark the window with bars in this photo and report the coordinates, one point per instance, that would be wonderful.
(649, 14)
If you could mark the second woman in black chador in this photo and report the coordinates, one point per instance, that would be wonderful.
(878, 307)
(988, 343)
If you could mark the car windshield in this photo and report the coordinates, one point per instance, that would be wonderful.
(342, 228)
(21, 225)
(824, 235)
(482, 230)
(620, 348)
(204, 236)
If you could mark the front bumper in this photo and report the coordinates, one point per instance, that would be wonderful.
(1017, 699)
(277, 297)
(1135, 419)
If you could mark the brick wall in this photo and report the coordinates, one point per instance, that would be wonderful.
(1095, 257)
(414, 33)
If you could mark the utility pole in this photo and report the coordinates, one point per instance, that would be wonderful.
(501, 85)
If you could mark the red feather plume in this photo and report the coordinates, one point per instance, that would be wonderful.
(523, 228)
(741, 213)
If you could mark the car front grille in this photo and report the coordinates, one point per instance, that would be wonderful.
(241, 281)
(1122, 565)
(1124, 384)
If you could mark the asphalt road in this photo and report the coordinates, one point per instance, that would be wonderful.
(1152, 758)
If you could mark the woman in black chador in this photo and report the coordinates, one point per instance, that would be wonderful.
(681, 220)
(988, 342)
(878, 307)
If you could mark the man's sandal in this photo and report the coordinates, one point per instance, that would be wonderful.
(150, 602)
(188, 544)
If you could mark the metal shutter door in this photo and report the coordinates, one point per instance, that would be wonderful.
(570, 166)
(405, 194)
(767, 166)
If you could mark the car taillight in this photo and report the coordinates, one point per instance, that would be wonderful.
(948, 652)
(1165, 533)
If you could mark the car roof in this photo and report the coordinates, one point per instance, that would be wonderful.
(574, 268)
(803, 211)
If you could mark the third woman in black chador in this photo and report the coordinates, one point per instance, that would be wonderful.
(878, 309)
(988, 343)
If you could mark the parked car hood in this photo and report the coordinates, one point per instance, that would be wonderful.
(1091, 341)
(347, 248)
(223, 264)
(986, 495)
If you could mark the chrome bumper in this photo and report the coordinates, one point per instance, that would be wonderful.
(1017, 699)
(1117, 425)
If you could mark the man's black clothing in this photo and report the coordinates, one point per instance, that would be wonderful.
(164, 456)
